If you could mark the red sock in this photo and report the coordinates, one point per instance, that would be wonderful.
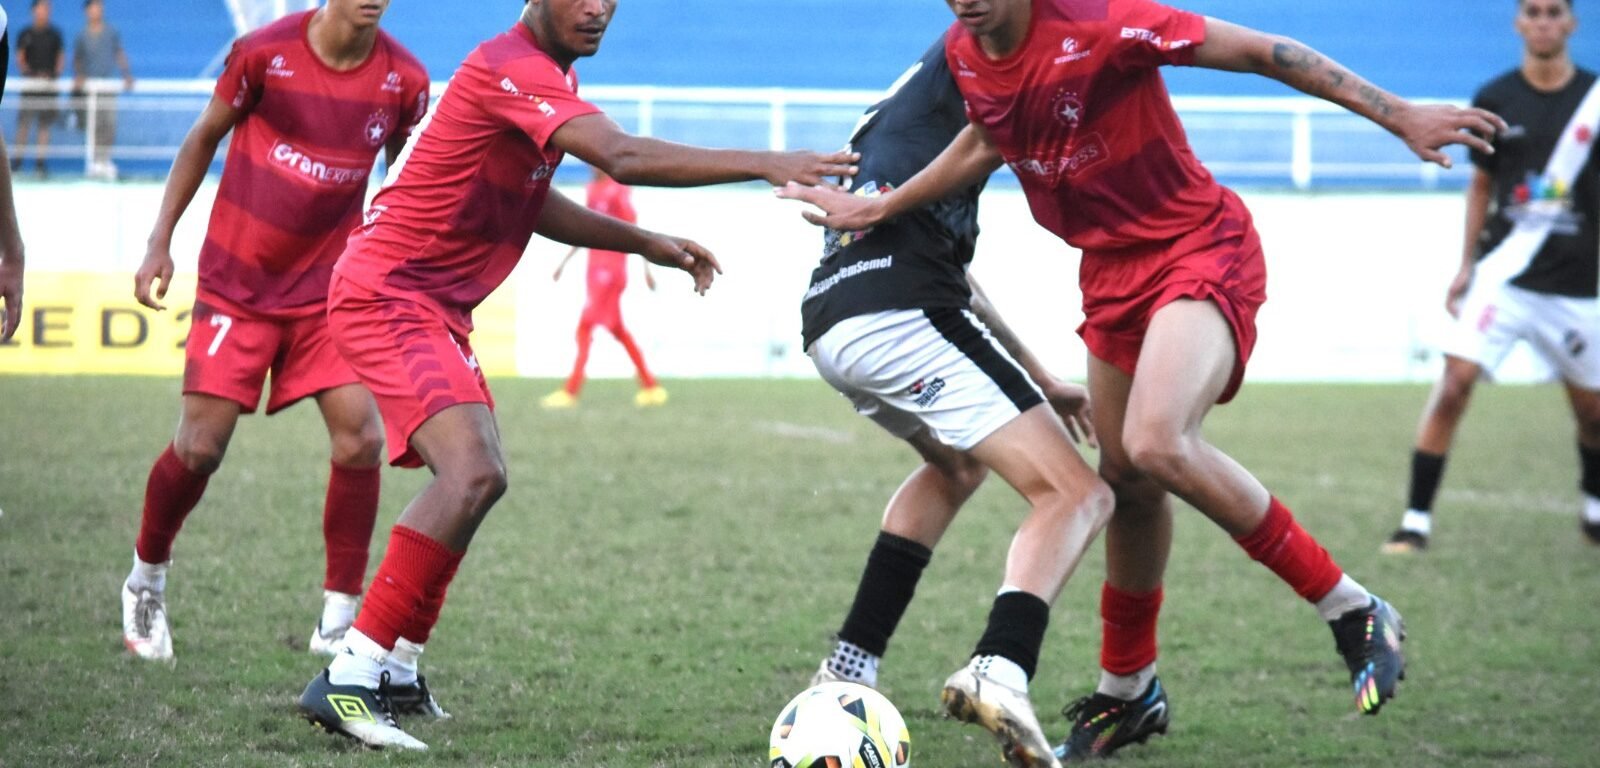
(1128, 629)
(1282, 545)
(169, 496)
(427, 614)
(411, 565)
(348, 517)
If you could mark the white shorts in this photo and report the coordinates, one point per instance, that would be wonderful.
(937, 369)
(1563, 331)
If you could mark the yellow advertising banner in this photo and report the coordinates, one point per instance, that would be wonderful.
(89, 323)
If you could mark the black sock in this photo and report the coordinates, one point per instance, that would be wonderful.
(890, 579)
(1426, 470)
(1590, 460)
(1016, 630)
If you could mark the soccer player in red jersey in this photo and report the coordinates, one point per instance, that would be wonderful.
(310, 100)
(455, 215)
(607, 278)
(1068, 93)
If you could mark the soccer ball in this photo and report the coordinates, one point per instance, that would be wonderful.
(840, 725)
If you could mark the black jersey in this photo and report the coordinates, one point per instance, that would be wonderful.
(1568, 262)
(919, 260)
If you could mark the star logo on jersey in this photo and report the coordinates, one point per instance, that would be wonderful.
(392, 83)
(279, 67)
(1067, 108)
(377, 128)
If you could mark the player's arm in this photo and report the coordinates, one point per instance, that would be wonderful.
(600, 142)
(188, 170)
(1424, 128)
(969, 159)
(1070, 401)
(11, 257)
(1478, 192)
(573, 251)
(565, 221)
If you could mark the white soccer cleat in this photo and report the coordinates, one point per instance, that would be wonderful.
(972, 697)
(825, 674)
(144, 624)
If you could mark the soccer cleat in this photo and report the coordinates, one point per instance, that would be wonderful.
(972, 697)
(1370, 641)
(413, 700)
(825, 674)
(650, 396)
(1592, 530)
(357, 713)
(1405, 541)
(558, 399)
(144, 624)
(327, 643)
(1103, 724)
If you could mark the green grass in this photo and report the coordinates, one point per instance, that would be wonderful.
(657, 584)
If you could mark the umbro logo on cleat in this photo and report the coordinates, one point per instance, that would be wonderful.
(351, 708)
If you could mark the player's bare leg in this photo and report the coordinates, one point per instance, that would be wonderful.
(175, 486)
(1586, 409)
(355, 435)
(1436, 432)
(1069, 506)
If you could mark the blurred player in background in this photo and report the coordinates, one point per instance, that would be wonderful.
(451, 222)
(893, 323)
(1070, 95)
(11, 258)
(98, 54)
(42, 56)
(607, 277)
(1528, 269)
(310, 99)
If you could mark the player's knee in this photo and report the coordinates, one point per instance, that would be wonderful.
(1157, 453)
(481, 485)
(962, 472)
(200, 454)
(359, 448)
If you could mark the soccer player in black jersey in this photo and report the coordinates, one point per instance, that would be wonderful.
(10, 237)
(1529, 266)
(892, 323)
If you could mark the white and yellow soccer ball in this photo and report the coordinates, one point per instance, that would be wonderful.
(840, 725)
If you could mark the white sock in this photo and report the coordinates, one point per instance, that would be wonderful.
(1126, 687)
(1346, 596)
(1417, 521)
(338, 610)
(853, 663)
(1591, 509)
(1003, 671)
(151, 576)
(361, 662)
(402, 662)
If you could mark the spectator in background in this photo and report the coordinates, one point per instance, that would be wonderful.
(98, 54)
(41, 55)
(10, 238)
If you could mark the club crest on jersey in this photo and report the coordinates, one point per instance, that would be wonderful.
(392, 83)
(1583, 134)
(1067, 108)
(378, 125)
(1070, 52)
(925, 391)
(865, 189)
(279, 67)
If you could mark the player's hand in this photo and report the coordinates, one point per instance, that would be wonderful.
(810, 168)
(1458, 291)
(687, 255)
(11, 296)
(157, 269)
(557, 276)
(1071, 403)
(840, 210)
(1430, 127)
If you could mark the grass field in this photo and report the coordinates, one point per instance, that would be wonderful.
(657, 584)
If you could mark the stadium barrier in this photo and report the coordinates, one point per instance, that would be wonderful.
(1289, 142)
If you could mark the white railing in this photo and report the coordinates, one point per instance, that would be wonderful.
(1296, 142)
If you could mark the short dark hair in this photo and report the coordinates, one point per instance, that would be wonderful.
(1569, 3)
(37, 3)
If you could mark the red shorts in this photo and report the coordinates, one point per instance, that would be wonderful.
(1221, 261)
(229, 354)
(406, 354)
(604, 304)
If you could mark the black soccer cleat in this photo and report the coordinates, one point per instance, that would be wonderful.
(1405, 541)
(357, 713)
(1592, 530)
(414, 700)
(1103, 724)
(1370, 641)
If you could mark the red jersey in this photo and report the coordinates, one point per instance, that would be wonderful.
(1081, 114)
(457, 211)
(615, 200)
(298, 164)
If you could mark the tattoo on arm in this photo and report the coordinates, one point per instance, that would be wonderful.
(1373, 97)
(1289, 56)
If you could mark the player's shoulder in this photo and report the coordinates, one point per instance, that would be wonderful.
(405, 62)
(513, 56)
(289, 29)
(1508, 84)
